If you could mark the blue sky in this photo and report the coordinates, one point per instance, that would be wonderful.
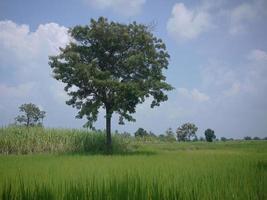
(218, 61)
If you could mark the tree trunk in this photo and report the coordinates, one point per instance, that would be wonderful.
(108, 131)
(28, 121)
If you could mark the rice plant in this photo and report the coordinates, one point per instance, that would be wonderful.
(229, 170)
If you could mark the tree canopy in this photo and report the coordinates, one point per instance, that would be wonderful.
(141, 133)
(210, 135)
(31, 116)
(186, 131)
(112, 66)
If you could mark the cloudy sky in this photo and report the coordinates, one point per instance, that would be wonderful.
(218, 61)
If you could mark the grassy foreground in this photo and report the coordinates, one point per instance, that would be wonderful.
(224, 170)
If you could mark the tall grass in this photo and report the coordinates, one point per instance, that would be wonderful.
(23, 140)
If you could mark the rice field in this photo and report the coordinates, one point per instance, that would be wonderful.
(155, 170)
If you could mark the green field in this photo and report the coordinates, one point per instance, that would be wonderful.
(154, 170)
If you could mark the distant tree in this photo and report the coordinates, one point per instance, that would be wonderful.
(186, 131)
(112, 66)
(31, 116)
(223, 139)
(265, 138)
(210, 135)
(169, 135)
(126, 134)
(247, 138)
(141, 133)
(161, 137)
(151, 134)
(201, 139)
(256, 138)
(195, 139)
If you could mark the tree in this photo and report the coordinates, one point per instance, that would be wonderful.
(141, 133)
(247, 138)
(223, 139)
(170, 135)
(210, 135)
(32, 115)
(186, 131)
(114, 66)
(151, 134)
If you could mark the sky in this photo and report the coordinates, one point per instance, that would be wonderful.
(218, 62)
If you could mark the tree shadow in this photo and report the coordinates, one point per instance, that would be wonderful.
(127, 153)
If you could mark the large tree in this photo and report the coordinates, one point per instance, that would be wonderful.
(32, 115)
(186, 131)
(114, 66)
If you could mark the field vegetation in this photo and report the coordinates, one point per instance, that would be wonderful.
(64, 164)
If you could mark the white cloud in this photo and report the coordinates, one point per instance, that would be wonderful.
(239, 16)
(235, 89)
(24, 46)
(194, 95)
(124, 7)
(257, 55)
(244, 14)
(21, 90)
(25, 74)
(25, 53)
(185, 24)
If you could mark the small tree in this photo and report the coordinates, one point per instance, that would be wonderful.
(170, 135)
(209, 134)
(247, 138)
(223, 139)
(114, 66)
(32, 115)
(186, 131)
(151, 134)
(141, 133)
(256, 138)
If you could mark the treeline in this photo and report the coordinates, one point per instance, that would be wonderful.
(181, 135)
(186, 132)
(32, 116)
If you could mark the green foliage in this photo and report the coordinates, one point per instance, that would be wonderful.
(31, 116)
(141, 133)
(168, 136)
(192, 170)
(210, 135)
(256, 138)
(247, 138)
(22, 140)
(186, 131)
(114, 66)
